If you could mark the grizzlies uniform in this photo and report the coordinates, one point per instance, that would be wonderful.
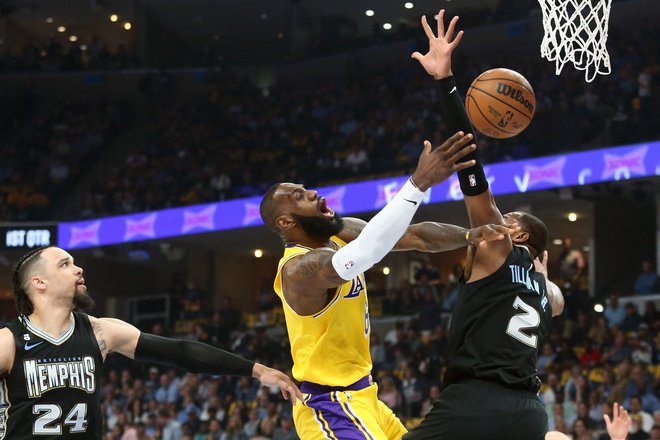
(491, 383)
(52, 391)
(331, 358)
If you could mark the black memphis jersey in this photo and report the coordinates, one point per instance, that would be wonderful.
(497, 325)
(52, 391)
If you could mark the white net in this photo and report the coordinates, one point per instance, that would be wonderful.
(576, 31)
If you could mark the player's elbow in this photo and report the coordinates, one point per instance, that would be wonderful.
(353, 259)
(413, 239)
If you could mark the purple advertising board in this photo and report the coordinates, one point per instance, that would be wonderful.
(572, 169)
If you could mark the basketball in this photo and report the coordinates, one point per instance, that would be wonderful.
(500, 103)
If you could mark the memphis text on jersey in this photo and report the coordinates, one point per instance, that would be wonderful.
(48, 374)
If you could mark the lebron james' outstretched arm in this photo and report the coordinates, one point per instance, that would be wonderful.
(308, 277)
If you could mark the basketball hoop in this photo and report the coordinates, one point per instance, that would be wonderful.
(576, 31)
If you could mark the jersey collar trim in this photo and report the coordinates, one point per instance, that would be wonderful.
(43, 335)
(528, 251)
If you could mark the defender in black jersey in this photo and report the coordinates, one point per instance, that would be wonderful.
(504, 306)
(51, 355)
(54, 382)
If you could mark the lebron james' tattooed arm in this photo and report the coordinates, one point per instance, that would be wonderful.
(195, 357)
(7, 351)
(308, 278)
(433, 236)
(441, 237)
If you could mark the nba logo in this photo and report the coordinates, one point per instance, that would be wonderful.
(472, 180)
(505, 119)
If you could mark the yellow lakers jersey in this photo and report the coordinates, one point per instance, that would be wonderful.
(330, 347)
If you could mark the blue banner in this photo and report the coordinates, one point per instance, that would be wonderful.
(572, 169)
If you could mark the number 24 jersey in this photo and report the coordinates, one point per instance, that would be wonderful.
(52, 391)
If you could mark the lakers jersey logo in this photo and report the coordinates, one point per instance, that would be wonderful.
(357, 286)
(44, 375)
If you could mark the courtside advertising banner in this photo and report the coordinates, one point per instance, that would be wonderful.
(571, 169)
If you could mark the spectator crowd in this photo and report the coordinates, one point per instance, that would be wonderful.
(57, 56)
(588, 361)
(42, 159)
(239, 139)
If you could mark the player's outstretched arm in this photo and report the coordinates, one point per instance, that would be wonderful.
(437, 63)
(618, 427)
(478, 198)
(308, 277)
(555, 296)
(441, 237)
(114, 335)
(444, 164)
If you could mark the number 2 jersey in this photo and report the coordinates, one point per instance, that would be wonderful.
(498, 324)
(52, 391)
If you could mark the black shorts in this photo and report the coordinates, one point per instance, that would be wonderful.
(482, 410)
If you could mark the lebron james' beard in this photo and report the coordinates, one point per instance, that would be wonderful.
(82, 302)
(320, 227)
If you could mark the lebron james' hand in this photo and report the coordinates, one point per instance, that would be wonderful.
(480, 236)
(436, 166)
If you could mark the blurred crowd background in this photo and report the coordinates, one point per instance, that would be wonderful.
(589, 361)
(80, 159)
(163, 148)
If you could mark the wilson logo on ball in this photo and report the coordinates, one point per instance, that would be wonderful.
(516, 95)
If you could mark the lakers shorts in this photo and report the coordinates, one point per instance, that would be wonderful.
(349, 413)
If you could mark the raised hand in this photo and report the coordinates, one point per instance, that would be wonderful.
(618, 427)
(437, 165)
(541, 263)
(271, 377)
(437, 61)
(481, 235)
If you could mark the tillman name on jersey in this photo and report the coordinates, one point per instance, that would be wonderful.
(41, 377)
(520, 275)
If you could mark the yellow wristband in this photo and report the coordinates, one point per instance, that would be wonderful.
(467, 236)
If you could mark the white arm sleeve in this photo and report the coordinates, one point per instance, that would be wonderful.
(379, 235)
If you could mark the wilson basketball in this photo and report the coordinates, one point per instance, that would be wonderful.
(500, 103)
